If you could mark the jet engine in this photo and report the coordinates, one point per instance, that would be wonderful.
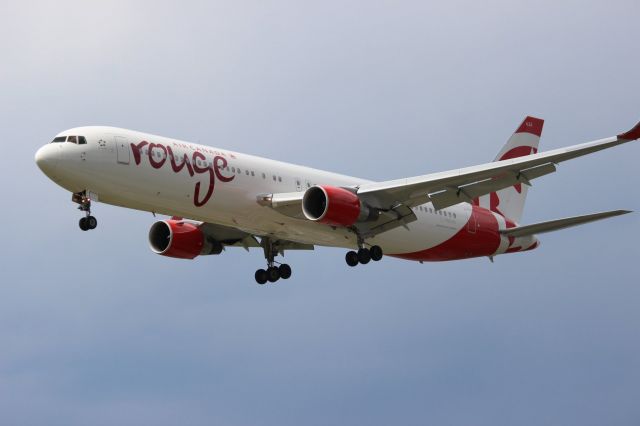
(335, 206)
(180, 239)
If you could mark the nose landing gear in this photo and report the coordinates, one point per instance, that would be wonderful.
(88, 222)
(273, 273)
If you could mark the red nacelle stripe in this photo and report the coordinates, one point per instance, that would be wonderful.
(343, 207)
(186, 240)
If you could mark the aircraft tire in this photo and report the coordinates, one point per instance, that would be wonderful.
(92, 222)
(376, 253)
(273, 274)
(261, 276)
(351, 258)
(285, 271)
(364, 256)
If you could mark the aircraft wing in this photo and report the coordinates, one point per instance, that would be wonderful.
(394, 199)
(448, 188)
(233, 237)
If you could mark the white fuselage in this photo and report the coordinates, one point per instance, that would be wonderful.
(219, 186)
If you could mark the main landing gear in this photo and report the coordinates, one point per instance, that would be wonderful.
(363, 255)
(88, 222)
(273, 273)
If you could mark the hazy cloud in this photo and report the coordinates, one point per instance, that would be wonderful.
(97, 329)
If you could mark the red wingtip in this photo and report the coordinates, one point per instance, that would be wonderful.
(632, 134)
(531, 125)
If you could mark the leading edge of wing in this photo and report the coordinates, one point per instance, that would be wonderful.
(402, 190)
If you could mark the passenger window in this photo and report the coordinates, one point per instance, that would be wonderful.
(252, 174)
(264, 176)
(274, 178)
(82, 140)
(59, 139)
(279, 178)
(72, 139)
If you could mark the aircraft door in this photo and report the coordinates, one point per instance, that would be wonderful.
(472, 225)
(122, 148)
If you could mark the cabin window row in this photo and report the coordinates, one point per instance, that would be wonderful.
(200, 163)
(434, 211)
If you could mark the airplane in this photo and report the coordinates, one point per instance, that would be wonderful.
(218, 198)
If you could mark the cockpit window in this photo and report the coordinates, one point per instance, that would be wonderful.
(80, 140)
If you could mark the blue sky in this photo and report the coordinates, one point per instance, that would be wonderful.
(96, 329)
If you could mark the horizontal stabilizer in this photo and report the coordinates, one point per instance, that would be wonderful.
(554, 225)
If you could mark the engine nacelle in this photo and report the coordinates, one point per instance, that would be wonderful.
(334, 206)
(180, 239)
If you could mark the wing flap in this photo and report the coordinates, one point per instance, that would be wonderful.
(555, 225)
(455, 195)
(234, 237)
(286, 203)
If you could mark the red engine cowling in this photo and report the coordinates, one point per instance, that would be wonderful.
(332, 205)
(175, 238)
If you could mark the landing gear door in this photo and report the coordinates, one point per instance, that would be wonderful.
(122, 148)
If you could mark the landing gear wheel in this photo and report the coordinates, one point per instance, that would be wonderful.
(285, 271)
(364, 256)
(376, 253)
(92, 222)
(351, 258)
(261, 276)
(273, 274)
(84, 224)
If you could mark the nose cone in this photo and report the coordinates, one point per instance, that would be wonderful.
(47, 159)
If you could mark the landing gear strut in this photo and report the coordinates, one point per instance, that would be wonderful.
(273, 273)
(363, 255)
(88, 222)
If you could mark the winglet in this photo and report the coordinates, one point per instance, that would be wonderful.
(632, 134)
(531, 125)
